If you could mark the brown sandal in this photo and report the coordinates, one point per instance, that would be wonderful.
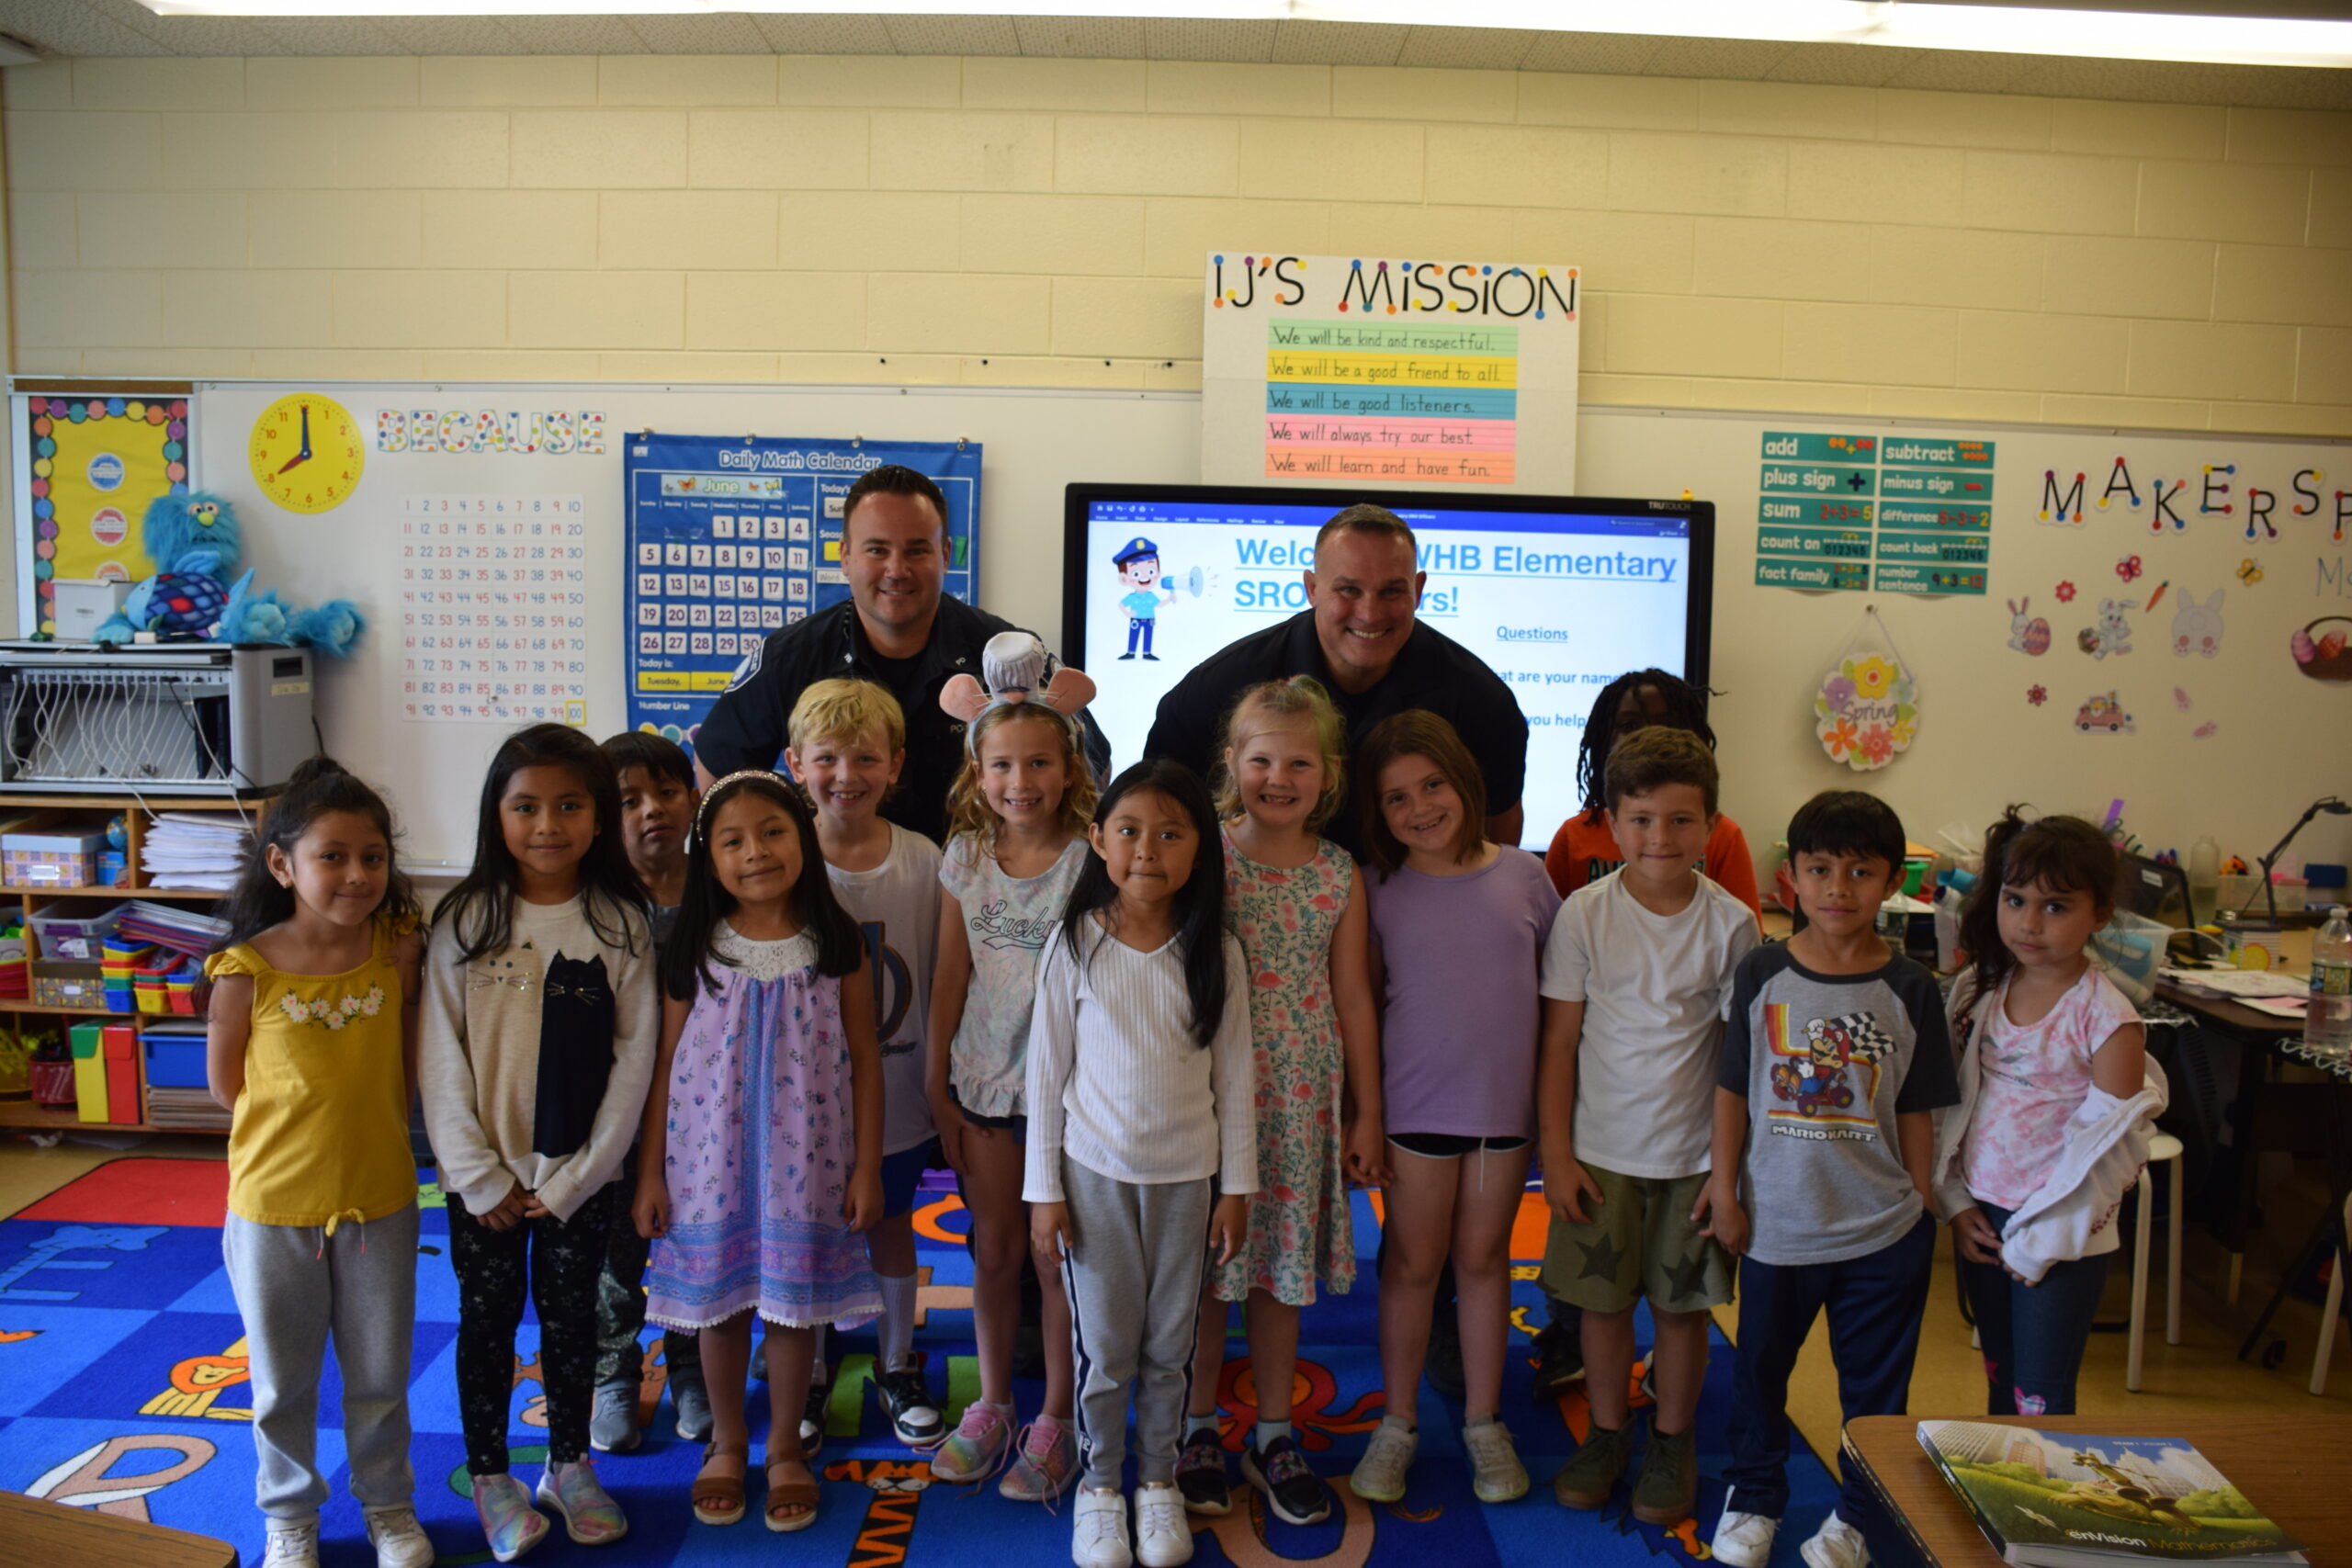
(717, 1494)
(802, 1494)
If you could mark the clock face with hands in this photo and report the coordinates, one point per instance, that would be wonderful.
(307, 452)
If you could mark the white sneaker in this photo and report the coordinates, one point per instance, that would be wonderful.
(1379, 1476)
(1743, 1540)
(293, 1545)
(1163, 1533)
(400, 1540)
(1835, 1544)
(1099, 1533)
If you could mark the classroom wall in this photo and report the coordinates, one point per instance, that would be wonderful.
(1040, 222)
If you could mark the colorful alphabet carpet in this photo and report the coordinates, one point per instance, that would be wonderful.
(122, 1387)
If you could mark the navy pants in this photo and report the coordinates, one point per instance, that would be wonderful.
(1874, 1305)
(2033, 1335)
(1139, 629)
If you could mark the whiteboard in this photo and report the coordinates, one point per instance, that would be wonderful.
(2283, 739)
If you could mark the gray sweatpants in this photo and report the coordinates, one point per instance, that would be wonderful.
(1137, 1259)
(294, 1285)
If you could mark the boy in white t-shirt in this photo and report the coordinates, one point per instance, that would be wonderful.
(848, 744)
(1635, 973)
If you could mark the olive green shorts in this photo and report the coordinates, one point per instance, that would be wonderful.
(1641, 1243)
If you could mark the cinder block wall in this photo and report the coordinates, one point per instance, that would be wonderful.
(990, 222)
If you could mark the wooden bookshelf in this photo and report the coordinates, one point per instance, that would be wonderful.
(60, 810)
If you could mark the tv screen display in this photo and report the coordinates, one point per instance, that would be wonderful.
(1559, 594)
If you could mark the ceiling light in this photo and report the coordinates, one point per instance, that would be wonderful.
(1911, 23)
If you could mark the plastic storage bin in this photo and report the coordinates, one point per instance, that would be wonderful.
(76, 935)
(2132, 947)
(119, 1043)
(89, 1072)
(173, 1061)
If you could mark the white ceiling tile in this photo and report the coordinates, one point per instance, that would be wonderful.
(1081, 38)
(1594, 54)
(450, 35)
(212, 36)
(1840, 64)
(1958, 71)
(1238, 42)
(826, 33)
(67, 27)
(1731, 58)
(727, 32)
(330, 35)
(1338, 43)
(574, 35)
(1467, 48)
(952, 34)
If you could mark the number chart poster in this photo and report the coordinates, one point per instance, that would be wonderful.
(493, 609)
(732, 538)
(1363, 369)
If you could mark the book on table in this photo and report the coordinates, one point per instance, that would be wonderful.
(2078, 1500)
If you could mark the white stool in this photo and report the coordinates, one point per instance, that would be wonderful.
(2327, 1314)
(2162, 1147)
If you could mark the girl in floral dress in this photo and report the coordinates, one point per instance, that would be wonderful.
(762, 1139)
(1293, 899)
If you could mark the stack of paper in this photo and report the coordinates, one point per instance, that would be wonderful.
(202, 850)
(170, 925)
(2265, 990)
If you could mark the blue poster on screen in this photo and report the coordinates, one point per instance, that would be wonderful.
(731, 539)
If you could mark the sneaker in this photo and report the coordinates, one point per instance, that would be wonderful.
(612, 1425)
(913, 1418)
(1295, 1493)
(1045, 1463)
(1163, 1534)
(1200, 1474)
(1743, 1540)
(1379, 1476)
(1559, 1361)
(692, 1402)
(1668, 1488)
(976, 1447)
(1835, 1544)
(400, 1540)
(1099, 1533)
(1593, 1470)
(1495, 1474)
(508, 1520)
(1443, 1365)
(293, 1545)
(589, 1516)
(813, 1416)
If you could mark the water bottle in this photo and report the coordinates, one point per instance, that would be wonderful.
(2205, 875)
(2327, 1022)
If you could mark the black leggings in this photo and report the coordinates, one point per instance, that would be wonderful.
(562, 1259)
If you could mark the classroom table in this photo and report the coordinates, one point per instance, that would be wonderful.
(2297, 1469)
(35, 1533)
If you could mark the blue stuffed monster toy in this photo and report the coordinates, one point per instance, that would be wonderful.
(194, 542)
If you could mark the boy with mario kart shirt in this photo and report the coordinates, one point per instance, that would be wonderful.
(1836, 1055)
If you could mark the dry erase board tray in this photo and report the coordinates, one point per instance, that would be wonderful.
(190, 719)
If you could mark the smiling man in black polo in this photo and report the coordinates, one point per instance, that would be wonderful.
(1359, 637)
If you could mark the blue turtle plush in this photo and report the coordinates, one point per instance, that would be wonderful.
(194, 541)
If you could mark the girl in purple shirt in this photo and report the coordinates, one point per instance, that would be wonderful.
(1458, 930)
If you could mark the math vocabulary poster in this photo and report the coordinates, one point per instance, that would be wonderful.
(1388, 371)
(732, 538)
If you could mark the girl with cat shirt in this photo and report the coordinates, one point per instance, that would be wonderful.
(540, 1021)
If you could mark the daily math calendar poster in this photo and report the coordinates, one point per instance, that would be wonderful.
(732, 538)
(1387, 371)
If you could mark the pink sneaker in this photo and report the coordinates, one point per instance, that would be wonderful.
(974, 1449)
(511, 1524)
(589, 1516)
(1045, 1463)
